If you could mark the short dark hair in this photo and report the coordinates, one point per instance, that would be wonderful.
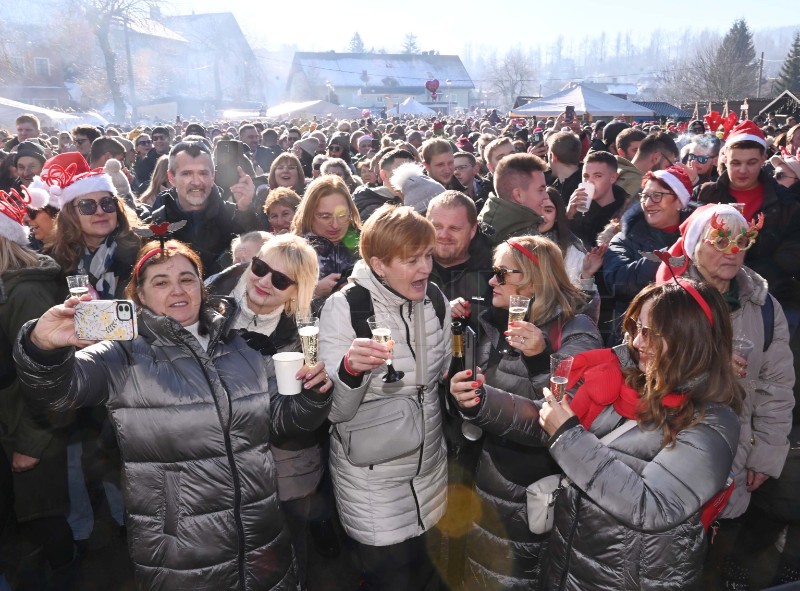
(105, 144)
(160, 129)
(468, 155)
(660, 141)
(90, 131)
(389, 158)
(603, 158)
(565, 146)
(627, 136)
(514, 172)
(192, 147)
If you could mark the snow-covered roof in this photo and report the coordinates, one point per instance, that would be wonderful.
(376, 69)
(154, 28)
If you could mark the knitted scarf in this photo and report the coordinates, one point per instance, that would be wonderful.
(98, 265)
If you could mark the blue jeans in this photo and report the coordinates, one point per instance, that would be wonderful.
(81, 515)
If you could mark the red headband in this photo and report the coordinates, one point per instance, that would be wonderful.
(523, 250)
(149, 255)
(690, 289)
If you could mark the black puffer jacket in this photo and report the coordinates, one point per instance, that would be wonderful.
(502, 553)
(631, 519)
(194, 430)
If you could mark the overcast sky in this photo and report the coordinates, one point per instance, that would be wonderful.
(317, 25)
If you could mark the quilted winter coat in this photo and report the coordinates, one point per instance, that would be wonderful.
(630, 520)
(400, 499)
(194, 428)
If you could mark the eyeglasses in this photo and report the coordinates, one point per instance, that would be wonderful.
(335, 148)
(280, 281)
(327, 218)
(779, 175)
(728, 245)
(669, 160)
(89, 206)
(653, 196)
(700, 159)
(501, 273)
(646, 332)
(144, 143)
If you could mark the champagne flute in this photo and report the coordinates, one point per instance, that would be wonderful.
(517, 310)
(560, 366)
(308, 329)
(382, 333)
(78, 285)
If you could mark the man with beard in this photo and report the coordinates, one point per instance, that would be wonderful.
(211, 222)
(656, 151)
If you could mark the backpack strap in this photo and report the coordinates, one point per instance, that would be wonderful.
(768, 316)
(360, 302)
(435, 295)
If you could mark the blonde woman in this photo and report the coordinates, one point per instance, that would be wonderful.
(158, 182)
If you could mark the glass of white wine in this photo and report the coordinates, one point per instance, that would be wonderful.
(78, 285)
(517, 310)
(560, 366)
(382, 333)
(308, 329)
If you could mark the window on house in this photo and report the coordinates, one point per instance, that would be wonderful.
(42, 66)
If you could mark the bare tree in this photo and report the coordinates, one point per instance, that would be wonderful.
(509, 76)
(103, 16)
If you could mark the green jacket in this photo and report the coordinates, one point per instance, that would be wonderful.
(508, 219)
(630, 177)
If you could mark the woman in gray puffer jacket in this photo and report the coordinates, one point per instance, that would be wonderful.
(502, 553)
(194, 409)
(629, 517)
(389, 502)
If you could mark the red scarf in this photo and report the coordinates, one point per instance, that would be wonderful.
(604, 384)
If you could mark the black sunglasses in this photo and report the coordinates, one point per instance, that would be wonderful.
(700, 159)
(782, 175)
(89, 206)
(501, 274)
(280, 281)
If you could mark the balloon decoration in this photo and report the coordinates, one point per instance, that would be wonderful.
(714, 121)
(365, 113)
(432, 86)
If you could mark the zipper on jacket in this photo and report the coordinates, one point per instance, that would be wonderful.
(419, 469)
(408, 331)
(574, 527)
(237, 488)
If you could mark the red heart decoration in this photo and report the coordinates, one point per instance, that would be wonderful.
(432, 86)
(730, 121)
(159, 229)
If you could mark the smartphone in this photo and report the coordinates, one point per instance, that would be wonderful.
(106, 320)
(537, 138)
(227, 156)
(569, 114)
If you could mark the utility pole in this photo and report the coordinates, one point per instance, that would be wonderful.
(760, 73)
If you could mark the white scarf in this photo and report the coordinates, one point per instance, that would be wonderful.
(249, 320)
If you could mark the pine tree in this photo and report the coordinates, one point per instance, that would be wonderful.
(356, 44)
(735, 70)
(789, 78)
(410, 44)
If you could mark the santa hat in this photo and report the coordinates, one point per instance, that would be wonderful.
(747, 131)
(417, 188)
(67, 176)
(691, 232)
(677, 180)
(12, 214)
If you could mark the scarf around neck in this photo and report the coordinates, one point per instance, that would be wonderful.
(98, 265)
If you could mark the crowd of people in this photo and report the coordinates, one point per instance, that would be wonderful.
(663, 257)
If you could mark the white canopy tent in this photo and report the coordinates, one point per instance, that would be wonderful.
(586, 102)
(10, 110)
(412, 106)
(306, 109)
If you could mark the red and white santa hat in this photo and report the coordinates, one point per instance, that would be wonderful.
(678, 181)
(12, 214)
(66, 177)
(747, 131)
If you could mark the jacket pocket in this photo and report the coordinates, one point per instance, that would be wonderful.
(172, 501)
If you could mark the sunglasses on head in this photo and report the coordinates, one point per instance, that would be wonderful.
(280, 281)
(700, 159)
(501, 273)
(89, 206)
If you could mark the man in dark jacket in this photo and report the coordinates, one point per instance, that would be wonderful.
(565, 162)
(143, 169)
(211, 222)
(368, 199)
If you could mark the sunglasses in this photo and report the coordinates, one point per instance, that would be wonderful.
(89, 206)
(144, 143)
(645, 331)
(280, 281)
(700, 159)
(782, 175)
(501, 273)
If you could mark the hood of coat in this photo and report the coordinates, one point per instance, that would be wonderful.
(381, 293)
(46, 271)
(507, 217)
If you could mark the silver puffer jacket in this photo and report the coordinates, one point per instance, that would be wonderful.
(194, 430)
(630, 521)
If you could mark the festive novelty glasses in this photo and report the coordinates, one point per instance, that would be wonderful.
(89, 206)
(280, 281)
(723, 240)
(501, 273)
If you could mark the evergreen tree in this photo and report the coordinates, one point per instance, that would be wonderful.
(735, 71)
(356, 44)
(789, 78)
(410, 44)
